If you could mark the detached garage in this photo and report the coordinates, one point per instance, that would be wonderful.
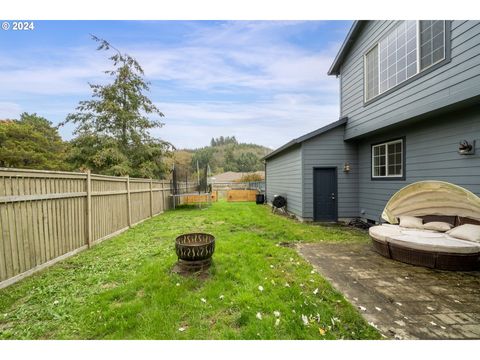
(317, 173)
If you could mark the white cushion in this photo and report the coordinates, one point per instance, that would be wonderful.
(408, 229)
(441, 243)
(437, 226)
(422, 233)
(383, 232)
(426, 240)
(411, 222)
(468, 232)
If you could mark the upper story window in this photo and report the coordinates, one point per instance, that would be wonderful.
(410, 48)
(432, 42)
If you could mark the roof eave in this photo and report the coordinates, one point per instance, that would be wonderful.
(299, 140)
(280, 149)
(346, 46)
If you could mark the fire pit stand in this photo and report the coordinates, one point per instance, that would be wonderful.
(194, 251)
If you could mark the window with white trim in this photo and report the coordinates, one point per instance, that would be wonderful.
(410, 48)
(432, 42)
(387, 159)
(371, 69)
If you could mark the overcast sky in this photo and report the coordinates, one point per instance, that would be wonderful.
(264, 82)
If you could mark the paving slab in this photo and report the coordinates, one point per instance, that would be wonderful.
(402, 301)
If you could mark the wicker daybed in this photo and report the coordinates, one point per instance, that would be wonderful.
(431, 201)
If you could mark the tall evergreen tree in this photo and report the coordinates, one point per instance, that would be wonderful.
(113, 126)
(247, 162)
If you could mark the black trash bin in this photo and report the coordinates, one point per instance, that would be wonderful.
(260, 199)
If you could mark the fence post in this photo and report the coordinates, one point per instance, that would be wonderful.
(163, 197)
(129, 207)
(89, 209)
(151, 198)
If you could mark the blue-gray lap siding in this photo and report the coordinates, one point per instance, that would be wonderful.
(284, 177)
(453, 82)
(329, 150)
(431, 154)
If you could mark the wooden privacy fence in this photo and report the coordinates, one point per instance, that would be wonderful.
(46, 216)
(195, 198)
(242, 195)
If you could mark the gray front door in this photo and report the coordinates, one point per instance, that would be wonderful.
(325, 194)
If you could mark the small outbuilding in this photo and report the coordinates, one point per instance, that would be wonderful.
(317, 173)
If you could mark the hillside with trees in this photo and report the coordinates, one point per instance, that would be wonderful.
(227, 154)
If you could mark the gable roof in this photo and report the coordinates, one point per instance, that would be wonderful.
(310, 135)
(352, 36)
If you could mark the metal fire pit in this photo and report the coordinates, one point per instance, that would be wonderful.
(194, 251)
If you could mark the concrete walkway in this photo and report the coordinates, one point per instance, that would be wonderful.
(401, 300)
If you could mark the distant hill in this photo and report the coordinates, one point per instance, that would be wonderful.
(223, 154)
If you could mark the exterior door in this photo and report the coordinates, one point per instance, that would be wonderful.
(325, 194)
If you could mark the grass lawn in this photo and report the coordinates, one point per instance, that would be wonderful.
(123, 288)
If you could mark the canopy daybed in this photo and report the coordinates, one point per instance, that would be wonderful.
(428, 203)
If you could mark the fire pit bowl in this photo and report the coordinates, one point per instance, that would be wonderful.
(195, 251)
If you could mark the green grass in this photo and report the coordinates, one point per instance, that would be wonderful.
(123, 288)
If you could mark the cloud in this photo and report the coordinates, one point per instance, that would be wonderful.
(271, 123)
(253, 80)
(236, 55)
(246, 33)
(9, 110)
(66, 72)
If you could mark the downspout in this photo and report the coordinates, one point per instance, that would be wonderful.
(265, 169)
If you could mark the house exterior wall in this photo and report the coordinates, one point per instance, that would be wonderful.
(431, 147)
(329, 150)
(448, 84)
(284, 177)
(420, 111)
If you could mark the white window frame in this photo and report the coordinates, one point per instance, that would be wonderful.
(419, 70)
(385, 144)
(365, 76)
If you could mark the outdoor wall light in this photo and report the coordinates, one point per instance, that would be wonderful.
(346, 167)
(466, 148)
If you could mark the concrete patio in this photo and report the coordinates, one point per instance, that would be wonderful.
(401, 300)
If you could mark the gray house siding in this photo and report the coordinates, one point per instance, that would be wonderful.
(329, 150)
(453, 82)
(431, 154)
(284, 177)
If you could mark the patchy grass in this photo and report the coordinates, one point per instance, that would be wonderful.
(123, 288)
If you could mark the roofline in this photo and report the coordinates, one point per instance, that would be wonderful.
(307, 136)
(357, 26)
